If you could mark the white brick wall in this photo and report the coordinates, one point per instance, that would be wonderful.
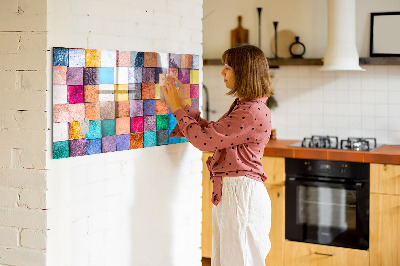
(23, 132)
(136, 207)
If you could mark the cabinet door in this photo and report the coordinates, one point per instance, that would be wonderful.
(384, 236)
(385, 178)
(305, 254)
(206, 232)
(277, 233)
(274, 168)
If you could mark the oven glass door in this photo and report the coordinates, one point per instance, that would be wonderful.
(326, 213)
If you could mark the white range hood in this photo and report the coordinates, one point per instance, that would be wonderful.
(341, 51)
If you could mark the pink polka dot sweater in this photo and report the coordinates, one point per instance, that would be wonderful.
(238, 139)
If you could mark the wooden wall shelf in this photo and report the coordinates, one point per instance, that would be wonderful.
(274, 63)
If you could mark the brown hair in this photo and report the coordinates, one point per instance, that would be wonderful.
(250, 66)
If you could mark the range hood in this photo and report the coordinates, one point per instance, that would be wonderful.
(341, 51)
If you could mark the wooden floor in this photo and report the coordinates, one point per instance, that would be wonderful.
(206, 261)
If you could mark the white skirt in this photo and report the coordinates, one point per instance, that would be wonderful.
(241, 223)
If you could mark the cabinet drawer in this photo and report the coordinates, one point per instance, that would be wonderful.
(385, 178)
(305, 254)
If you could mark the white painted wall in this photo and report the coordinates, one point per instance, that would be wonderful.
(311, 102)
(23, 132)
(136, 207)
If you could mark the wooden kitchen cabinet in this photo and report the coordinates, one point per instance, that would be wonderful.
(206, 225)
(305, 254)
(384, 236)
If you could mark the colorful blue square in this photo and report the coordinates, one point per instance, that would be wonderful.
(150, 139)
(60, 57)
(172, 121)
(94, 130)
(137, 59)
(123, 142)
(60, 149)
(108, 127)
(106, 75)
(149, 107)
(93, 146)
(162, 137)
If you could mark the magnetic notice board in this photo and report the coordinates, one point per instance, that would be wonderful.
(385, 37)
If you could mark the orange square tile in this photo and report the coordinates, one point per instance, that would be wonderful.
(148, 91)
(150, 59)
(187, 90)
(75, 131)
(161, 108)
(173, 72)
(123, 109)
(92, 111)
(186, 61)
(123, 125)
(91, 93)
(136, 140)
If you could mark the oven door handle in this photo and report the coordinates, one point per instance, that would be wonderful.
(357, 185)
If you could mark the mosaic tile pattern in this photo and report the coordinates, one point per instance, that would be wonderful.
(118, 94)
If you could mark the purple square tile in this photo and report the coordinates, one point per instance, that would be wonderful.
(184, 76)
(136, 108)
(150, 123)
(195, 103)
(174, 60)
(148, 75)
(75, 76)
(108, 144)
(123, 142)
(77, 147)
(91, 76)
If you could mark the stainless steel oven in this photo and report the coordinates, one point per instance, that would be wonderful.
(327, 202)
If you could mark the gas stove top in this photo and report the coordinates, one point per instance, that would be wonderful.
(332, 142)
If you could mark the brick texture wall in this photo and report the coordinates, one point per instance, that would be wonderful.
(23, 128)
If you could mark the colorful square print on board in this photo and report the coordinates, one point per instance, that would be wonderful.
(184, 76)
(123, 109)
(108, 58)
(123, 58)
(107, 110)
(148, 75)
(123, 125)
(194, 76)
(60, 57)
(149, 107)
(137, 124)
(94, 130)
(118, 92)
(137, 59)
(163, 60)
(77, 147)
(60, 94)
(150, 59)
(92, 58)
(194, 91)
(196, 62)
(108, 144)
(93, 146)
(136, 108)
(136, 140)
(148, 91)
(106, 75)
(149, 123)
(60, 75)
(162, 137)
(121, 92)
(91, 93)
(74, 76)
(162, 122)
(108, 127)
(174, 60)
(60, 149)
(75, 94)
(91, 76)
(135, 75)
(150, 139)
(186, 61)
(135, 91)
(123, 142)
(76, 57)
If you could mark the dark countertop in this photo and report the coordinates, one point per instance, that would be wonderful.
(389, 154)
